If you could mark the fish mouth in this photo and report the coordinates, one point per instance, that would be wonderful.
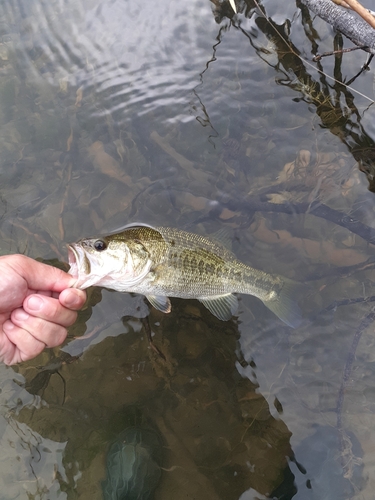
(79, 266)
(73, 259)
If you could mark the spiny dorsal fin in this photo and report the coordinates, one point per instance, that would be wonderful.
(221, 306)
(223, 236)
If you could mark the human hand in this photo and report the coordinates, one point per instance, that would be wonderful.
(36, 307)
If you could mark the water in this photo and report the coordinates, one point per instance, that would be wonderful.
(170, 113)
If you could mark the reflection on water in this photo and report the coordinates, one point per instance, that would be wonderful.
(175, 114)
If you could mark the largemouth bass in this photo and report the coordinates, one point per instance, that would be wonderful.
(163, 262)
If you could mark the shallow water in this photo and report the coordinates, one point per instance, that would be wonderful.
(178, 113)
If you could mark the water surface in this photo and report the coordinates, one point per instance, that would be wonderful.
(182, 114)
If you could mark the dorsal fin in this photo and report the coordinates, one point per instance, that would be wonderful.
(132, 225)
(223, 236)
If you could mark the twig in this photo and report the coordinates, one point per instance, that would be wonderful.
(305, 61)
(146, 325)
(359, 9)
(317, 209)
(65, 195)
(318, 57)
(365, 67)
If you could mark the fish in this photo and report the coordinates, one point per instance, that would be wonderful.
(164, 262)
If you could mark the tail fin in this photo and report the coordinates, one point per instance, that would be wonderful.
(285, 305)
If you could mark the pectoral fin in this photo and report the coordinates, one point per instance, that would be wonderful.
(160, 302)
(221, 306)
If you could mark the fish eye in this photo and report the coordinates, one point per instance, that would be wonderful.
(100, 245)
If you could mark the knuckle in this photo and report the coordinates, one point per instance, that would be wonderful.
(50, 334)
(57, 313)
(52, 309)
(71, 319)
(57, 337)
(34, 349)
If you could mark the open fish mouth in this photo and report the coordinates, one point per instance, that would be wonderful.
(80, 266)
(86, 270)
(73, 262)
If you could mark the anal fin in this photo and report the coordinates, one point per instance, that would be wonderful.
(221, 306)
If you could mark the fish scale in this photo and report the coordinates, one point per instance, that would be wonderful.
(165, 262)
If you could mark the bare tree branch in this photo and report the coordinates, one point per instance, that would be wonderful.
(357, 30)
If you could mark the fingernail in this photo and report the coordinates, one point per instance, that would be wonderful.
(72, 300)
(34, 303)
(20, 315)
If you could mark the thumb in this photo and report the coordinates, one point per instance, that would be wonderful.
(39, 276)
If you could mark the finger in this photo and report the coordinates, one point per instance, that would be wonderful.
(19, 345)
(40, 276)
(49, 333)
(72, 298)
(48, 308)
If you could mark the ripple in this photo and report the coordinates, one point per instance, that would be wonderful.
(129, 58)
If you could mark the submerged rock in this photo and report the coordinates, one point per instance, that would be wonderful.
(133, 465)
